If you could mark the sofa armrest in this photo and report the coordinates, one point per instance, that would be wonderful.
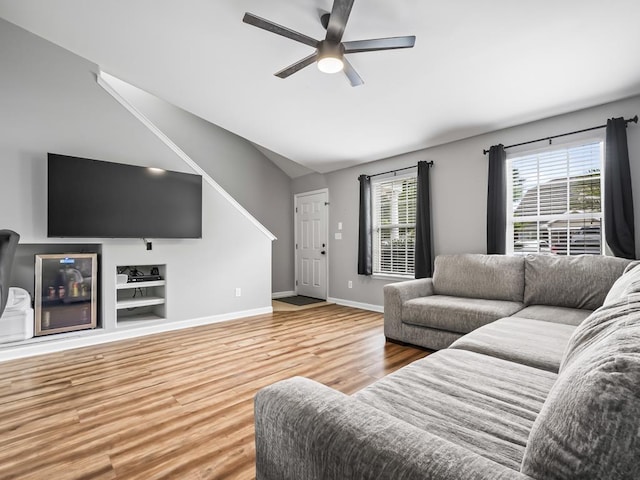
(305, 430)
(395, 294)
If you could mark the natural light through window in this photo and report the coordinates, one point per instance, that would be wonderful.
(394, 225)
(555, 201)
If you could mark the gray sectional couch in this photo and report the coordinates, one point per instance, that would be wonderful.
(518, 398)
(469, 291)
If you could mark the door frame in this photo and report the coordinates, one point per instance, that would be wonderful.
(295, 238)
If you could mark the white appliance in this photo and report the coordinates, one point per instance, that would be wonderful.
(16, 322)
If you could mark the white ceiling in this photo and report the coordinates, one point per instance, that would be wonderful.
(476, 67)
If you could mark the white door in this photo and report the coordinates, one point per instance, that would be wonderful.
(311, 244)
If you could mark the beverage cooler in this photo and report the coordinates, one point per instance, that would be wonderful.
(65, 293)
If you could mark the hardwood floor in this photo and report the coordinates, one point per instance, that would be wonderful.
(177, 404)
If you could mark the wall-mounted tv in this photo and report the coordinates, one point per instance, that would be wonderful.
(96, 199)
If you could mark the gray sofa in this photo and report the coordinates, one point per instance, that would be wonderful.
(545, 401)
(470, 290)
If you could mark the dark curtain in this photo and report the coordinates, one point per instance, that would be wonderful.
(618, 199)
(365, 241)
(497, 201)
(424, 252)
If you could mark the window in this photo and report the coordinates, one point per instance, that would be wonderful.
(555, 201)
(394, 225)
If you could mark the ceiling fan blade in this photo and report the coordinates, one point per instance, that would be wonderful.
(299, 65)
(379, 44)
(351, 74)
(279, 29)
(338, 20)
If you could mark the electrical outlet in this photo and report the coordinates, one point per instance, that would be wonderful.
(238, 292)
(350, 284)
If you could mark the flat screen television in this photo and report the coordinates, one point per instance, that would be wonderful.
(91, 198)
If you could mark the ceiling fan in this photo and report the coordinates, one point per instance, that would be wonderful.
(330, 52)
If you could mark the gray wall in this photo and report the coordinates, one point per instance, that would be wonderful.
(458, 192)
(50, 102)
(237, 166)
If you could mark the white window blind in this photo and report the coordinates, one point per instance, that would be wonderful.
(394, 225)
(555, 201)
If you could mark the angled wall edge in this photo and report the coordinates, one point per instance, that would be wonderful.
(103, 81)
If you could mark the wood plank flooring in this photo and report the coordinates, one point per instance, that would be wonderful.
(177, 405)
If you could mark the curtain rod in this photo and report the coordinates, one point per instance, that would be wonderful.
(634, 120)
(430, 163)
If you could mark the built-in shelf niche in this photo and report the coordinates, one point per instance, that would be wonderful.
(141, 302)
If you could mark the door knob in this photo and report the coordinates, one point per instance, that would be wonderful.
(322, 252)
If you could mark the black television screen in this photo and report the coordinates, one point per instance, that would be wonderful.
(91, 198)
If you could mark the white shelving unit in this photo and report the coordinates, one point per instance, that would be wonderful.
(139, 302)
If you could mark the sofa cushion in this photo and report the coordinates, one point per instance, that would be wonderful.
(628, 283)
(589, 425)
(429, 338)
(484, 404)
(455, 314)
(601, 325)
(536, 343)
(568, 316)
(580, 281)
(494, 277)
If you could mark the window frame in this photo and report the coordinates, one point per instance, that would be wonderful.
(522, 152)
(375, 228)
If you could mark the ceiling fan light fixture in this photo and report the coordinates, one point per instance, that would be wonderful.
(329, 54)
(330, 57)
(330, 64)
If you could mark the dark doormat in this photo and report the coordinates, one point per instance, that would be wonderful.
(299, 300)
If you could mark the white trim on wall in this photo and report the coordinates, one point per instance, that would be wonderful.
(95, 337)
(103, 81)
(362, 306)
(276, 295)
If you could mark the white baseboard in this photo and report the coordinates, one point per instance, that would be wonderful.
(95, 337)
(362, 306)
(276, 295)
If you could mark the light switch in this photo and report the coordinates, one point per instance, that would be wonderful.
(339, 225)
(338, 236)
